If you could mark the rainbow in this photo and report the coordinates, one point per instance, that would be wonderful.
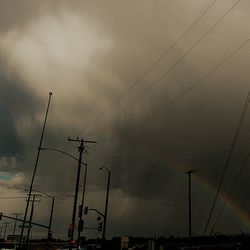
(243, 215)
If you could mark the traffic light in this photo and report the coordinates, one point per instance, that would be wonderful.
(80, 211)
(86, 210)
(99, 226)
(99, 218)
(80, 226)
(1, 215)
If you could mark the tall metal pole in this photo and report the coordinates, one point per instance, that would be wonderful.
(83, 197)
(106, 205)
(189, 205)
(81, 147)
(14, 230)
(189, 173)
(51, 213)
(34, 171)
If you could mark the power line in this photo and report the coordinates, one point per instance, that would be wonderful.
(197, 219)
(152, 66)
(189, 89)
(230, 192)
(179, 60)
(228, 158)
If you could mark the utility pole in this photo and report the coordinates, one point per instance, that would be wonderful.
(81, 222)
(14, 230)
(80, 149)
(189, 173)
(34, 171)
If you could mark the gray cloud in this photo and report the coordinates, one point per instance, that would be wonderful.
(88, 54)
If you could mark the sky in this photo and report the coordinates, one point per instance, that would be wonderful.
(159, 85)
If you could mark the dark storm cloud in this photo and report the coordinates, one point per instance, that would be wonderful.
(16, 101)
(88, 54)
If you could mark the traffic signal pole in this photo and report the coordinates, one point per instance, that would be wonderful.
(80, 226)
(80, 149)
(14, 218)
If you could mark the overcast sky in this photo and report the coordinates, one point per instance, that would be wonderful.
(159, 84)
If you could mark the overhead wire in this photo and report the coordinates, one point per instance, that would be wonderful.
(173, 101)
(197, 219)
(228, 159)
(230, 193)
(178, 61)
(232, 188)
(189, 89)
(152, 66)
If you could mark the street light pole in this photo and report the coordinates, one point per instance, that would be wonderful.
(51, 213)
(189, 173)
(78, 174)
(106, 205)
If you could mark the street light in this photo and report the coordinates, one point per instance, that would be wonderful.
(51, 214)
(106, 204)
(189, 173)
(62, 152)
(81, 147)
